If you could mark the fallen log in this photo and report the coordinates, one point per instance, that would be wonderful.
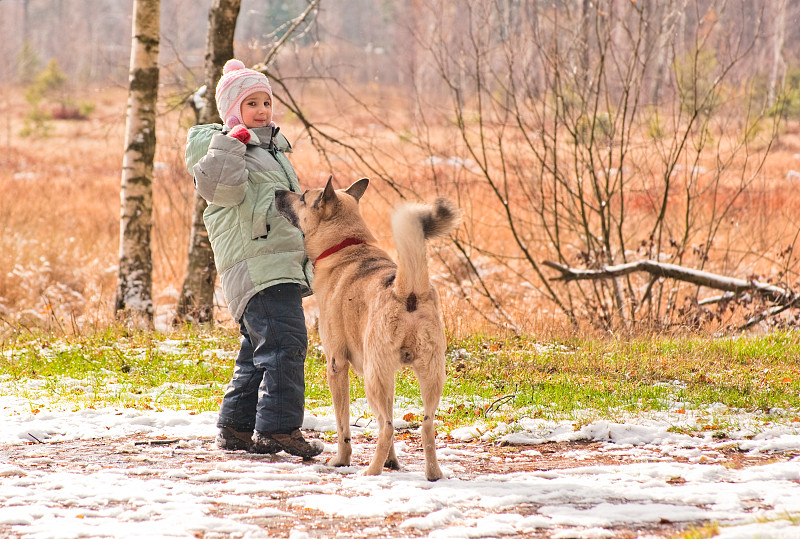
(731, 285)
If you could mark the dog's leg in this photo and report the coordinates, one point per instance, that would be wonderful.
(431, 382)
(339, 382)
(379, 386)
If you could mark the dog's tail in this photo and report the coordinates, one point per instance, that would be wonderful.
(412, 224)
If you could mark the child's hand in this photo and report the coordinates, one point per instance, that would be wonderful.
(240, 133)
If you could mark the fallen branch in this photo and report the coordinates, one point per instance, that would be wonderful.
(733, 286)
(727, 296)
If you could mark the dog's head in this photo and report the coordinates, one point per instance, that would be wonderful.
(317, 206)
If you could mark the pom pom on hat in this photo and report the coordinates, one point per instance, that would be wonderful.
(232, 65)
(237, 82)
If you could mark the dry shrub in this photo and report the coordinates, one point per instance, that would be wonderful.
(59, 216)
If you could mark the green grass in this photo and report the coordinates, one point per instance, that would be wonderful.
(489, 379)
(120, 368)
(751, 373)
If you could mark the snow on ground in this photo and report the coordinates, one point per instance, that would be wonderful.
(133, 473)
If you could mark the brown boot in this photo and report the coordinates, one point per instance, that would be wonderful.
(263, 443)
(294, 443)
(234, 440)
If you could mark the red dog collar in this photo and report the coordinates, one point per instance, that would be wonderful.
(338, 247)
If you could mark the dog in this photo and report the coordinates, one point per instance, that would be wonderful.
(375, 316)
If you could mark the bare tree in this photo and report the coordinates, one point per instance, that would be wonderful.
(134, 285)
(196, 302)
(579, 166)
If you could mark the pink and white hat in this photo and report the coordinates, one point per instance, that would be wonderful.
(234, 86)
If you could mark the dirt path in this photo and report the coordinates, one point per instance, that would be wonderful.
(194, 462)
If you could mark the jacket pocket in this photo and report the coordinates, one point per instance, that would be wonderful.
(261, 227)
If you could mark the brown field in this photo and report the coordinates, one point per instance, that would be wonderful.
(59, 211)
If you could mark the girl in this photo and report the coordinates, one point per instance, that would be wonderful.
(260, 257)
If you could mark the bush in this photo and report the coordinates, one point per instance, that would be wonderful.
(49, 87)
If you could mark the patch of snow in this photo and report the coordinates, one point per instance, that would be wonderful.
(231, 494)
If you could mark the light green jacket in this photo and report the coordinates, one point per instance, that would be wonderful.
(254, 246)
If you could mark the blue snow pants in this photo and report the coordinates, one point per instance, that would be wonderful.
(267, 391)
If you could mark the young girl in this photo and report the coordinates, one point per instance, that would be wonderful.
(260, 256)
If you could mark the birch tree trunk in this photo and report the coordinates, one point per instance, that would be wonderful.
(196, 302)
(134, 299)
(778, 64)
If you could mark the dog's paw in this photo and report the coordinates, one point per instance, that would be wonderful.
(433, 472)
(369, 471)
(338, 461)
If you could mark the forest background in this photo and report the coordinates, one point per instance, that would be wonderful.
(584, 134)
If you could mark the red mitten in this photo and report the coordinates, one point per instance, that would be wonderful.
(240, 133)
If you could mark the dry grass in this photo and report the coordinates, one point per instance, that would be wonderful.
(59, 211)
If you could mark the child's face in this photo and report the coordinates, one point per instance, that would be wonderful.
(257, 110)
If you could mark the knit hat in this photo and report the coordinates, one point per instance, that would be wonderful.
(234, 86)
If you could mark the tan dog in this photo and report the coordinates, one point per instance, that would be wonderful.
(375, 316)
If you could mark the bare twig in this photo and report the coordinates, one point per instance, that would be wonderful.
(37, 440)
(300, 19)
(157, 442)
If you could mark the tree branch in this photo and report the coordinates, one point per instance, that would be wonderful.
(295, 23)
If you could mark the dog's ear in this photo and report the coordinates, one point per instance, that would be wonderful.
(357, 189)
(329, 193)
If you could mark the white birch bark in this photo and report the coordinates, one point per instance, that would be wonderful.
(134, 299)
